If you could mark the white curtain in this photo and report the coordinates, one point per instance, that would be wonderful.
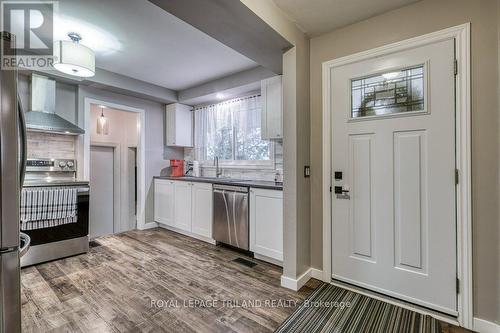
(231, 131)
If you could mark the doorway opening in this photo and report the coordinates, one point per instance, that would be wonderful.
(113, 170)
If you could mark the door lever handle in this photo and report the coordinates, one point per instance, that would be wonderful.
(340, 190)
(342, 193)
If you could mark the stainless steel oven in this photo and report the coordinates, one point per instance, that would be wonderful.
(230, 223)
(63, 240)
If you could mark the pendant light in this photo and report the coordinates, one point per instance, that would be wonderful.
(102, 123)
(73, 58)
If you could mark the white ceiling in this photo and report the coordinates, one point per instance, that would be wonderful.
(316, 17)
(138, 39)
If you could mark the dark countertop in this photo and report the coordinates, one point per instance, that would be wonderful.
(228, 181)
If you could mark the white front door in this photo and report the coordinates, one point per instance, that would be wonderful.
(394, 225)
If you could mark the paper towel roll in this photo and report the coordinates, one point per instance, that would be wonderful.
(196, 169)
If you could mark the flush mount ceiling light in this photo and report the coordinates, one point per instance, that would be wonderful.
(102, 123)
(73, 58)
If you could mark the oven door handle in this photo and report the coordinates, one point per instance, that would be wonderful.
(26, 244)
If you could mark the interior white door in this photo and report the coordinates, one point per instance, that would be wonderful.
(101, 191)
(393, 132)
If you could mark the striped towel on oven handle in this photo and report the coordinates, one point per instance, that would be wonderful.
(43, 207)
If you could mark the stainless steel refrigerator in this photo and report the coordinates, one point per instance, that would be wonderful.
(12, 157)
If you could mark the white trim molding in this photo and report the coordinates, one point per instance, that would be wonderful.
(484, 326)
(296, 284)
(316, 274)
(150, 225)
(461, 35)
(141, 153)
(186, 233)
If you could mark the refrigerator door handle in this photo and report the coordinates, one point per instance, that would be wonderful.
(24, 141)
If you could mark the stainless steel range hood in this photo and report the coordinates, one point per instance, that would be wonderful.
(42, 116)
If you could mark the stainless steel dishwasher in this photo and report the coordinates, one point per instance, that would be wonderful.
(231, 215)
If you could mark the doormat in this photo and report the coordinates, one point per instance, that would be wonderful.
(333, 309)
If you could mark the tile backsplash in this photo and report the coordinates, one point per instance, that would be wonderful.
(244, 173)
(44, 145)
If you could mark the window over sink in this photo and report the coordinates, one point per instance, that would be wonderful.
(231, 131)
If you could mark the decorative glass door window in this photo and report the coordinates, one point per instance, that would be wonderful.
(388, 93)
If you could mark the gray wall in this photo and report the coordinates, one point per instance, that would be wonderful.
(420, 18)
(156, 152)
(70, 105)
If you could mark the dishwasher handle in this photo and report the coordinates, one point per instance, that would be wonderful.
(229, 188)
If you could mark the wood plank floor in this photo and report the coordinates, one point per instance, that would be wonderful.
(113, 287)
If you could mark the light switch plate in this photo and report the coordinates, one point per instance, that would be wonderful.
(307, 171)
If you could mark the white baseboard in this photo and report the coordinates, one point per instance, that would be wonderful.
(296, 284)
(149, 225)
(317, 274)
(187, 233)
(483, 326)
(267, 259)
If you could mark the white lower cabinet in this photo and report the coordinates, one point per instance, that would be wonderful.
(182, 208)
(185, 206)
(266, 224)
(201, 216)
(164, 201)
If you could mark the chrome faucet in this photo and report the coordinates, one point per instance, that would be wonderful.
(218, 171)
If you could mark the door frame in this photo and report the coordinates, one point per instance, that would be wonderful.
(141, 154)
(116, 180)
(461, 34)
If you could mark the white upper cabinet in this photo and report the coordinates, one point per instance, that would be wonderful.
(179, 125)
(272, 108)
